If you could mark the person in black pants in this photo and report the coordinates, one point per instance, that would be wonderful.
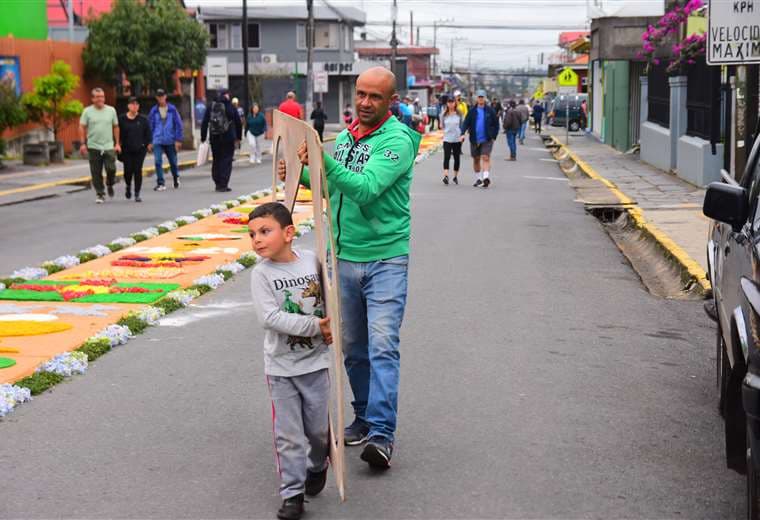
(222, 125)
(134, 137)
(451, 121)
(319, 117)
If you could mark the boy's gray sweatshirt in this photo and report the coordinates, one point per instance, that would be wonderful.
(288, 301)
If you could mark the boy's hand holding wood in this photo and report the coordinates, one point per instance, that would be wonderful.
(324, 327)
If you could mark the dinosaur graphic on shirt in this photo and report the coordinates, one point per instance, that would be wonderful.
(292, 307)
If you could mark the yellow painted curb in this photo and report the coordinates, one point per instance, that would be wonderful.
(81, 180)
(686, 262)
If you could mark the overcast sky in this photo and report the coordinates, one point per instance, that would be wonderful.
(483, 48)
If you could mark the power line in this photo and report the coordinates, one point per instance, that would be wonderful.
(521, 27)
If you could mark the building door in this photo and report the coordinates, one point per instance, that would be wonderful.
(616, 104)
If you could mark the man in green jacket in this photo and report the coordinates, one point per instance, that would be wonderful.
(369, 177)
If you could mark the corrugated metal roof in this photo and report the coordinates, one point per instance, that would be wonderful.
(350, 15)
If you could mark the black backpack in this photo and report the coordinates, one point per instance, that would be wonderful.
(219, 123)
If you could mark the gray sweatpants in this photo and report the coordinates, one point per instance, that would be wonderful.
(300, 415)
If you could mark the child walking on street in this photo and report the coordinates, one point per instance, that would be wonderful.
(287, 297)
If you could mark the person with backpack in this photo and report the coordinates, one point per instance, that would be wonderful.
(166, 127)
(511, 123)
(451, 122)
(524, 111)
(221, 125)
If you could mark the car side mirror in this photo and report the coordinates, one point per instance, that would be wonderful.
(727, 203)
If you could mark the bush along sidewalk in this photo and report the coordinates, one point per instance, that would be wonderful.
(68, 364)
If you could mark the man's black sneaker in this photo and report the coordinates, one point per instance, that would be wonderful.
(110, 191)
(292, 508)
(478, 183)
(356, 433)
(315, 482)
(223, 189)
(377, 453)
(137, 197)
(486, 182)
(176, 182)
(128, 193)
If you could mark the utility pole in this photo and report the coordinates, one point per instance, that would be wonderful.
(394, 46)
(246, 95)
(435, 45)
(309, 56)
(411, 28)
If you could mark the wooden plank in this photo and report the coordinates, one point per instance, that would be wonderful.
(288, 135)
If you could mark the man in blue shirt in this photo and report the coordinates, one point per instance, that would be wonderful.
(483, 126)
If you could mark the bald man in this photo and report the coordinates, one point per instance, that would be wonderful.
(291, 107)
(369, 176)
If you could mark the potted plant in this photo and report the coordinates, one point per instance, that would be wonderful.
(50, 105)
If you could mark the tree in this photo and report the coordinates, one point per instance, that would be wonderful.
(48, 103)
(11, 111)
(147, 42)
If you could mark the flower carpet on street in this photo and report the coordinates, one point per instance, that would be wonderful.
(57, 318)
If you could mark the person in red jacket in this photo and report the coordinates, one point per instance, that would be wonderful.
(291, 107)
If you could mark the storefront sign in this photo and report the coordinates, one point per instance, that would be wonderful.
(733, 32)
(339, 68)
(321, 80)
(216, 73)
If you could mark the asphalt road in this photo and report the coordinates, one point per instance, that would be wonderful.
(539, 380)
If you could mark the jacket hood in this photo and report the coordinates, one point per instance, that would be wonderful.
(394, 126)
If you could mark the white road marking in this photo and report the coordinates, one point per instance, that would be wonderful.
(538, 149)
(548, 160)
(545, 178)
(201, 312)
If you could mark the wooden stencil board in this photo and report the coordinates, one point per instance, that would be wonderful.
(289, 133)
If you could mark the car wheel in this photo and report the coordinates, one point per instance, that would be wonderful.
(574, 126)
(722, 369)
(753, 485)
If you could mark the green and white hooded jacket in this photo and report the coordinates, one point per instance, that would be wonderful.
(369, 177)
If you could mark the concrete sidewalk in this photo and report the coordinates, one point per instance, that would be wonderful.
(665, 202)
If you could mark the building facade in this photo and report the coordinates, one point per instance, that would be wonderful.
(277, 53)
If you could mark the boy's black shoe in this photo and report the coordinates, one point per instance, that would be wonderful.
(356, 433)
(377, 453)
(292, 508)
(315, 482)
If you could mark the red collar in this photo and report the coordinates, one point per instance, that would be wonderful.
(353, 128)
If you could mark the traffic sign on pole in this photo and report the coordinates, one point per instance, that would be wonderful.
(733, 32)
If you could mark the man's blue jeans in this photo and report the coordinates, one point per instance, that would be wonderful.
(523, 129)
(373, 297)
(512, 142)
(171, 154)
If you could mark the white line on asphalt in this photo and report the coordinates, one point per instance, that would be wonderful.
(200, 312)
(548, 160)
(538, 149)
(545, 178)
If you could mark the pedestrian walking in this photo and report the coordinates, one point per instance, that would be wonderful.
(296, 356)
(461, 104)
(348, 115)
(524, 111)
(433, 113)
(451, 123)
(538, 115)
(222, 127)
(200, 111)
(584, 115)
(99, 134)
(483, 127)
(512, 122)
(497, 108)
(407, 111)
(238, 109)
(166, 128)
(291, 106)
(319, 117)
(256, 127)
(134, 139)
(395, 106)
(370, 176)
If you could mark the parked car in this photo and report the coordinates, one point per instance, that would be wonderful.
(558, 112)
(733, 258)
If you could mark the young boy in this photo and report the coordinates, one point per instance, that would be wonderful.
(287, 296)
